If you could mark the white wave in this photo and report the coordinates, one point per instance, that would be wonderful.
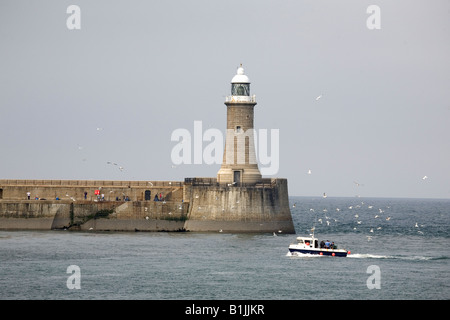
(303, 255)
(375, 256)
(368, 255)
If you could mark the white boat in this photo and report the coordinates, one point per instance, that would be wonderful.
(310, 245)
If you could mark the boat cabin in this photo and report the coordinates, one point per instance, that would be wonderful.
(308, 242)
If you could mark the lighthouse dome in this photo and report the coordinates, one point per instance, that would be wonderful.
(240, 77)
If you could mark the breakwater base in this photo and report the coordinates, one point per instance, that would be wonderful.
(196, 204)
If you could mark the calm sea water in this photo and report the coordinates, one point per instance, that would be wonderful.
(407, 240)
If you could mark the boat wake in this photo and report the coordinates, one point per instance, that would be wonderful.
(371, 256)
(303, 255)
(399, 257)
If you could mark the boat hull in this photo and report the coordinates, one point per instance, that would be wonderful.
(324, 252)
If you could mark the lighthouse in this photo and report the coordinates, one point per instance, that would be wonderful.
(239, 165)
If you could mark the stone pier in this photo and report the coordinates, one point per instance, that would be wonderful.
(197, 204)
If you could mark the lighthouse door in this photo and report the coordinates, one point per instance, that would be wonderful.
(237, 177)
(148, 195)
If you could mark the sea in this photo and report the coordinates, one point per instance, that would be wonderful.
(399, 250)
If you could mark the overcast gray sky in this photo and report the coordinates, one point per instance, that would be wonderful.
(115, 90)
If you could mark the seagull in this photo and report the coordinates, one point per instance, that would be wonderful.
(115, 164)
(416, 225)
(274, 234)
(293, 206)
(424, 178)
(309, 171)
(220, 230)
(319, 97)
(377, 216)
(324, 195)
(388, 218)
(371, 230)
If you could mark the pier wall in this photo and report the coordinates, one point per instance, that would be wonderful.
(11, 189)
(200, 205)
(241, 209)
(90, 215)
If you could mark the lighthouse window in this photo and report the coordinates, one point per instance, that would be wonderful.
(240, 89)
(238, 129)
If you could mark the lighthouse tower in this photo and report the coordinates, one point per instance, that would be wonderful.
(239, 165)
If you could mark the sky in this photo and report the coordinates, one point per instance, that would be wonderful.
(364, 109)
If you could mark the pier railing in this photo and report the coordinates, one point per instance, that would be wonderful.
(263, 183)
(89, 183)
